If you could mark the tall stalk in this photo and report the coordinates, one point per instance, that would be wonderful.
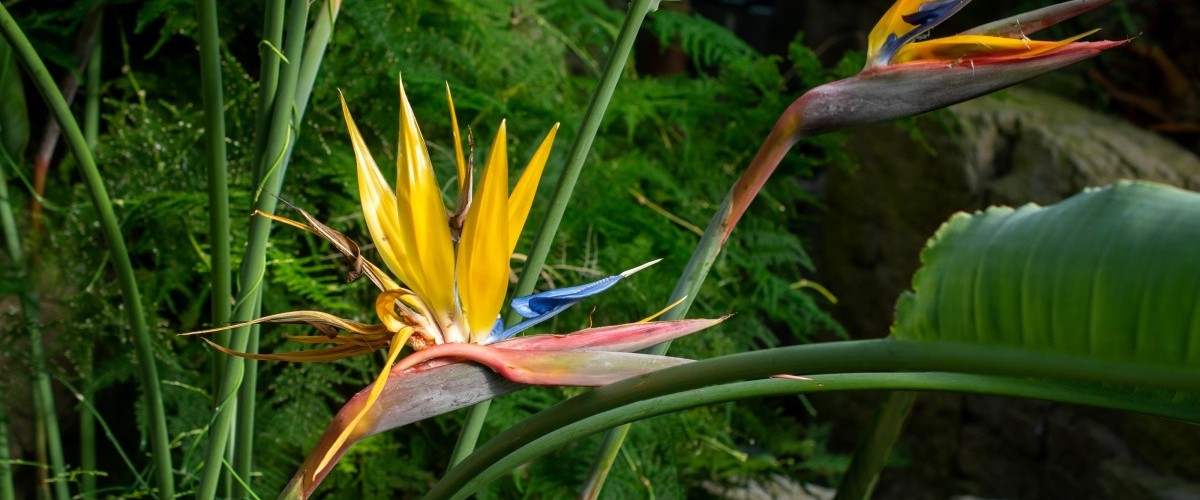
(87, 419)
(157, 431)
(617, 58)
(291, 99)
(778, 142)
(8, 227)
(215, 160)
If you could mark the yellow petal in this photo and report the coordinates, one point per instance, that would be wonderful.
(522, 196)
(378, 203)
(376, 388)
(961, 47)
(903, 22)
(458, 149)
(425, 249)
(483, 248)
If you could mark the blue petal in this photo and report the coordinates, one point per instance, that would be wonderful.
(539, 304)
(540, 307)
(928, 15)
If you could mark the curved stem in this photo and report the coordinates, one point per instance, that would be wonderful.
(160, 444)
(777, 144)
(618, 57)
(836, 357)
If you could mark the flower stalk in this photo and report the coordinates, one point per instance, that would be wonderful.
(902, 78)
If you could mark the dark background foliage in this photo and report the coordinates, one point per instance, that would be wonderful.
(708, 81)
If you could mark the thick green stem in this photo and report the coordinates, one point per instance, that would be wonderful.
(268, 81)
(13, 244)
(243, 453)
(87, 420)
(500, 454)
(295, 80)
(872, 453)
(638, 9)
(215, 159)
(160, 444)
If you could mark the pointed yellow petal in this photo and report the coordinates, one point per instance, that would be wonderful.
(378, 204)
(962, 47)
(376, 388)
(483, 249)
(458, 149)
(425, 248)
(522, 196)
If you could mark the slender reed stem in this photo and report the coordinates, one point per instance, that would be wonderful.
(282, 130)
(160, 444)
(215, 159)
(778, 142)
(818, 360)
(243, 452)
(13, 244)
(638, 9)
(87, 420)
(268, 78)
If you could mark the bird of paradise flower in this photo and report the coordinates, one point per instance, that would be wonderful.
(451, 273)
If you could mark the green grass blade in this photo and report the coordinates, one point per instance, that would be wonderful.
(160, 444)
(638, 9)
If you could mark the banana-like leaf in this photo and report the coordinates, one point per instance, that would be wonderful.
(1112, 273)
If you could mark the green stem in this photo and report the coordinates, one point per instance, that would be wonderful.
(43, 394)
(87, 420)
(243, 453)
(618, 57)
(872, 453)
(318, 40)
(284, 126)
(160, 444)
(778, 142)
(215, 158)
(12, 242)
(528, 449)
(269, 78)
(498, 455)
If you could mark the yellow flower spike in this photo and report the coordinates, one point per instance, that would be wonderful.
(460, 160)
(906, 20)
(378, 202)
(522, 196)
(376, 388)
(423, 242)
(483, 249)
(965, 46)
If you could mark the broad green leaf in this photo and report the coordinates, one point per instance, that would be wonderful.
(1112, 273)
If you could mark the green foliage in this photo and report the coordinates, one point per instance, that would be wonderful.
(678, 140)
